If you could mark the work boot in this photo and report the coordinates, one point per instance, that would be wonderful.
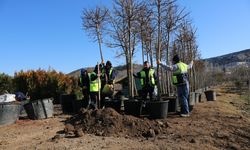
(185, 115)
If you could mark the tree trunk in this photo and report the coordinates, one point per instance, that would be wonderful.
(99, 41)
(142, 50)
(158, 57)
(151, 54)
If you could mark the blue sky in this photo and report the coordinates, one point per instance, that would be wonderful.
(48, 33)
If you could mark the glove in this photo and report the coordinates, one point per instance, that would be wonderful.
(158, 62)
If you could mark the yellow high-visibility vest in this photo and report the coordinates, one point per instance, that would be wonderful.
(150, 76)
(182, 69)
(95, 85)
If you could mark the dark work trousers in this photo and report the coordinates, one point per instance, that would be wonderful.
(94, 100)
(86, 101)
(147, 90)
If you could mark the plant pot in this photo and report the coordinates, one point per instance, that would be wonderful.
(9, 113)
(132, 107)
(115, 104)
(197, 97)
(210, 95)
(172, 104)
(192, 100)
(39, 109)
(67, 102)
(158, 109)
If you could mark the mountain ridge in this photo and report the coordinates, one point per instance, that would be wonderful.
(231, 58)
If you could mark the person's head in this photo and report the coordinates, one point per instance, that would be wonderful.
(108, 64)
(83, 72)
(146, 64)
(96, 68)
(176, 59)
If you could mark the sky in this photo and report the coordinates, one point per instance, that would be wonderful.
(48, 33)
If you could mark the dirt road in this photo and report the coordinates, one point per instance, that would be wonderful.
(220, 124)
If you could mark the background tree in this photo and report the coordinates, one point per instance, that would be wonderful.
(187, 48)
(6, 83)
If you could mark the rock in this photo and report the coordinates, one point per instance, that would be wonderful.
(69, 128)
(167, 124)
(79, 133)
(160, 123)
(56, 138)
(151, 133)
(99, 133)
(157, 131)
(192, 141)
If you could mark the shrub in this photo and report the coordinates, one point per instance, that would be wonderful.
(5, 83)
(44, 84)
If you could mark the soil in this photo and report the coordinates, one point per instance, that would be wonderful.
(220, 124)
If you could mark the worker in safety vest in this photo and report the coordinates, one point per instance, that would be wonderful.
(180, 80)
(147, 80)
(94, 87)
(108, 79)
(84, 84)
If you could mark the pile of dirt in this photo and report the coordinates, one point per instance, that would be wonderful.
(108, 122)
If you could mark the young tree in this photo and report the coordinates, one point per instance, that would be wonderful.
(158, 6)
(172, 20)
(94, 21)
(124, 33)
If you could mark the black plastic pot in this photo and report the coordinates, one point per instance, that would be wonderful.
(67, 102)
(200, 97)
(9, 113)
(172, 104)
(132, 107)
(70, 104)
(210, 95)
(158, 109)
(115, 104)
(39, 109)
(191, 101)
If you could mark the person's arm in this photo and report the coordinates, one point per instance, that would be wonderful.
(113, 75)
(137, 75)
(167, 67)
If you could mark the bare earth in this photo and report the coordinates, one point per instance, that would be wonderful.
(220, 124)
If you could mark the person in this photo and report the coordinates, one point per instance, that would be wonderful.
(20, 97)
(84, 84)
(94, 87)
(180, 80)
(108, 79)
(23, 99)
(147, 80)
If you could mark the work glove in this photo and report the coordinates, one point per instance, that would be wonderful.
(158, 62)
(192, 62)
